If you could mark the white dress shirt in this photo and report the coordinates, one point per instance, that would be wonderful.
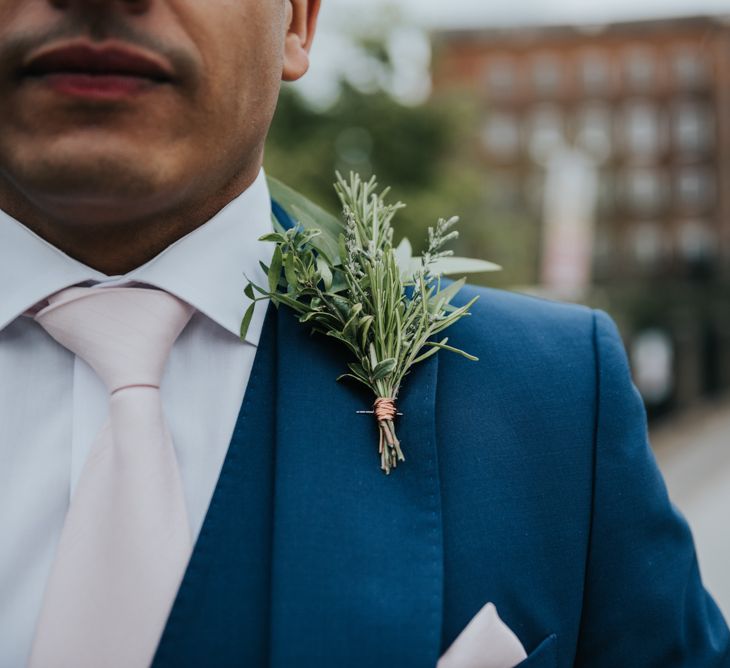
(52, 404)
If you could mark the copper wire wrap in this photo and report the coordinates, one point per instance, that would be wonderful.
(384, 409)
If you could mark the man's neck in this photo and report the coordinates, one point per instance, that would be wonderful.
(114, 244)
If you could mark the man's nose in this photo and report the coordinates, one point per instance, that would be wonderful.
(132, 6)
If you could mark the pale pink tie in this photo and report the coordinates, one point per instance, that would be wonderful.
(126, 540)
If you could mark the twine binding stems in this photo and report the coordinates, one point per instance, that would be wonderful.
(389, 447)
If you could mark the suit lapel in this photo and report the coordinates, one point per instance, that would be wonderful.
(357, 557)
(221, 613)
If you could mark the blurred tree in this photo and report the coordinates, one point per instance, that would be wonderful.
(425, 152)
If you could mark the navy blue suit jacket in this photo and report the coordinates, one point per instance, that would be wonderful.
(529, 482)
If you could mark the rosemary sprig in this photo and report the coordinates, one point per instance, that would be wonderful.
(384, 306)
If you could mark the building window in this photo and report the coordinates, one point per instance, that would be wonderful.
(547, 74)
(689, 67)
(693, 127)
(594, 132)
(595, 72)
(642, 132)
(547, 131)
(695, 188)
(501, 76)
(644, 190)
(640, 68)
(696, 240)
(648, 243)
(501, 134)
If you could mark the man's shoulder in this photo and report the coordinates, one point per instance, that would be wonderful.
(533, 354)
(519, 322)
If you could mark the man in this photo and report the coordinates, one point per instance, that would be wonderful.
(131, 142)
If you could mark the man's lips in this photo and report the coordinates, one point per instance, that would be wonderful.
(105, 71)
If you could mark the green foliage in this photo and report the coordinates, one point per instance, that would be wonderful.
(427, 153)
(359, 133)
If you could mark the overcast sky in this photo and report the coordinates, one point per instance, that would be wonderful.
(335, 54)
(445, 13)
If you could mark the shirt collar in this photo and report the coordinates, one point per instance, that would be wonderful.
(209, 268)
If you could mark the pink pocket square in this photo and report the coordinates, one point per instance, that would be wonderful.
(486, 642)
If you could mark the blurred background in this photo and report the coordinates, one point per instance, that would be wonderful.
(587, 151)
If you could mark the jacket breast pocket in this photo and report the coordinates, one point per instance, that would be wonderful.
(545, 656)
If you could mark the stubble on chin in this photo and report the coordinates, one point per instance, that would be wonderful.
(57, 177)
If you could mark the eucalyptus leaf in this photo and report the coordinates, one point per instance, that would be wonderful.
(311, 315)
(443, 346)
(276, 237)
(384, 368)
(325, 272)
(404, 255)
(339, 282)
(258, 289)
(293, 201)
(342, 305)
(326, 242)
(341, 246)
(358, 370)
(290, 270)
(430, 353)
(292, 303)
(354, 377)
(448, 293)
(309, 216)
(448, 266)
(275, 269)
(246, 322)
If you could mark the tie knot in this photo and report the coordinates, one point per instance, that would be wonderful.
(124, 334)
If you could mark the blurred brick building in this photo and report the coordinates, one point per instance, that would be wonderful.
(648, 104)
(650, 101)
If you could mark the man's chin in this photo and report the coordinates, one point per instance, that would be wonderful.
(103, 187)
